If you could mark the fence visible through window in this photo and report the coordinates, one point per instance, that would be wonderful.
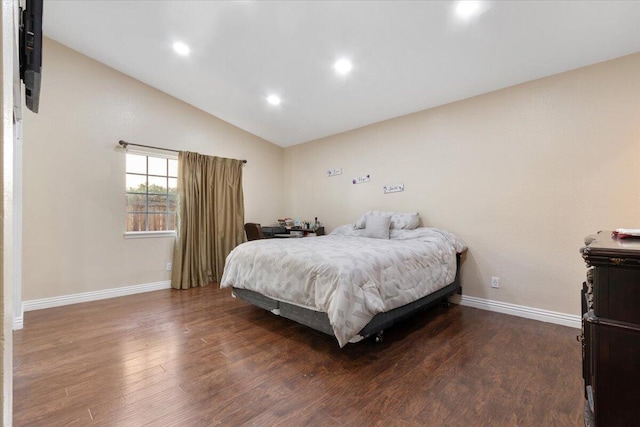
(151, 192)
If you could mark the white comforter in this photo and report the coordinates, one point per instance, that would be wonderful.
(350, 277)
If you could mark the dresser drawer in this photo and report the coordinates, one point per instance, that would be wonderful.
(613, 372)
(617, 294)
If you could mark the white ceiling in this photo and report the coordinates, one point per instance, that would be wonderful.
(407, 55)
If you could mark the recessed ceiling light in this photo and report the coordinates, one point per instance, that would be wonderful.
(342, 66)
(467, 9)
(181, 48)
(274, 100)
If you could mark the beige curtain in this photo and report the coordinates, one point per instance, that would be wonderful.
(210, 218)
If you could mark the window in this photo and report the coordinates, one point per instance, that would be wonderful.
(151, 193)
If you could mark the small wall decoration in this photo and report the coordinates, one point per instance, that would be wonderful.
(334, 172)
(361, 179)
(393, 188)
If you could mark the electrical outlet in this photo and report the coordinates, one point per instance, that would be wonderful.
(495, 282)
(169, 266)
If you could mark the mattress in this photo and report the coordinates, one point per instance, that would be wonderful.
(349, 277)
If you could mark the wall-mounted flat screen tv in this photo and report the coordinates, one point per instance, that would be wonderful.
(31, 52)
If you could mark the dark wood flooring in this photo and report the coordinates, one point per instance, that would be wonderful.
(201, 358)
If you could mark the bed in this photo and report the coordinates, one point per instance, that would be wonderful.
(347, 284)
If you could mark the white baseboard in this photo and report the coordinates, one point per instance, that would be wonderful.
(571, 320)
(18, 323)
(38, 304)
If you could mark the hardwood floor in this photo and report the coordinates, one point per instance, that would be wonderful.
(201, 358)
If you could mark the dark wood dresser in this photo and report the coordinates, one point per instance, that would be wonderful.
(611, 331)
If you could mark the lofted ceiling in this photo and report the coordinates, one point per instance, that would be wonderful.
(407, 56)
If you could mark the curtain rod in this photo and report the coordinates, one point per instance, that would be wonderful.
(125, 144)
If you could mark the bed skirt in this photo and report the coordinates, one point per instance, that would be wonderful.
(320, 321)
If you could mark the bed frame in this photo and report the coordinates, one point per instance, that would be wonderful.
(320, 320)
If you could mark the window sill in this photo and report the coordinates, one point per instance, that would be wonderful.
(147, 234)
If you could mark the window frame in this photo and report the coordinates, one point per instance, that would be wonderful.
(147, 233)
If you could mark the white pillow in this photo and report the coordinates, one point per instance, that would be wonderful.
(362, 222)
(399, 220)
(378, 227)
(405, 221)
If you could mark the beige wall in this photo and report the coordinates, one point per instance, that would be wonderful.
(74, 177)
(521, 174)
